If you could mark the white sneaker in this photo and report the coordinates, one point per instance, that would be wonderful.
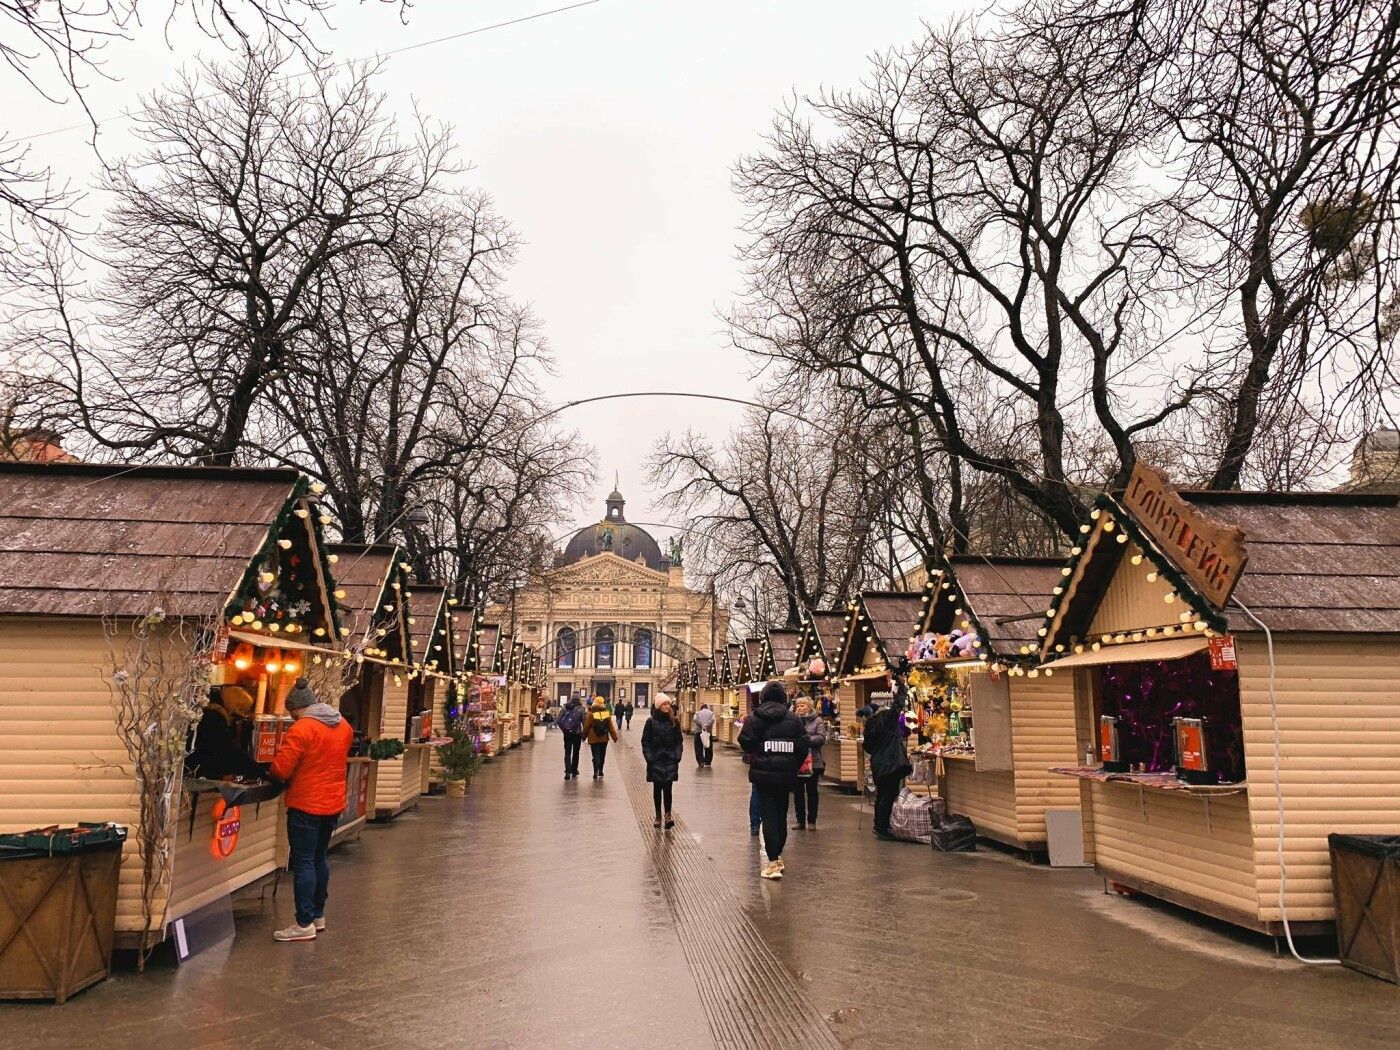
(319, 922)
(771, 870)
(780, 864)
(295, 932)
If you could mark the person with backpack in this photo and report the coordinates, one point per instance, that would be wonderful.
(775, 746)
(599, 729)
(889, 763)
(571, 726)
(663, 744)
(627, 709)
(808, 783)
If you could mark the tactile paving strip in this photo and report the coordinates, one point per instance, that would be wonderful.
(750, 999)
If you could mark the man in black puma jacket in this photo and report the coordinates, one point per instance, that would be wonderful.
(775, 745)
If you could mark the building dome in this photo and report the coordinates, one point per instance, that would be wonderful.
(614, 535)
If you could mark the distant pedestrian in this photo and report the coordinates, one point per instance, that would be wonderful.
(807, 793)
(889, 763)
(312, 762)
(704, 736)
(601, 728)
(571, 721)
(663, 744)
(775, 745)
(627, 712)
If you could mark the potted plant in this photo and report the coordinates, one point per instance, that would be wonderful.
(460, 759)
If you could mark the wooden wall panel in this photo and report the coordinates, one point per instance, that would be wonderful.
(61, 760)
(1130, 601)
(1162, 837)
(989, 799)
(395, 713)
(1339, 726)
(1042, 735)
(200, 878)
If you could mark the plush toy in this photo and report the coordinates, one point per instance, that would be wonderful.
(816, 668)
(942, 646)
(964, 642)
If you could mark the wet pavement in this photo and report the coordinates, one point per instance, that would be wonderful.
(549, 914)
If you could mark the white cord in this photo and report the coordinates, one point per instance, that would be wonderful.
(1278, 794)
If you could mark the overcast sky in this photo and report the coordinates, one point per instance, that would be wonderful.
(607, 135)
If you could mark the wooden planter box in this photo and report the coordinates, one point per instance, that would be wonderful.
(57, 923)
(1366, 884)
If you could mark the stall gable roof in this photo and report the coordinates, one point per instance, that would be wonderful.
(892, 617)
(734, 661)
(500, 662)
(1003, 599)
(703, 672)
(462, 624)
(427, 609)
(743, 668)
(1317, 562)
(488, 639)
(753, 657)
(85, 539)
(782, 649)
(367, 573)
(820, 637)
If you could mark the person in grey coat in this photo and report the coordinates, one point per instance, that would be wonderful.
(806, 796)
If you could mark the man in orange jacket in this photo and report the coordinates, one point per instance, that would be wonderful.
(312, 763)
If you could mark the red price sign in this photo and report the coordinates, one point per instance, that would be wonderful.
(228, 820)
(1222, 653)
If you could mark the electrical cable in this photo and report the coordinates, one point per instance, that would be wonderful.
(128, 114)
(1278, 793)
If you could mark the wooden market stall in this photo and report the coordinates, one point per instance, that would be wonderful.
(877, 627)
(409, 702)
(977, 635)
(121, 588)
(1198, 712)
(483, 707)
(370, 580)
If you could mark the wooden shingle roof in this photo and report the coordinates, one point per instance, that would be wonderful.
(426, 611)
(753, 654)
(781, 650)
(1004, 598)
(85, 539)
(366, 574)
(1317, 561)
(822, 636)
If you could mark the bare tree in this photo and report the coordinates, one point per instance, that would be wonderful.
(219, 248)
(57, 47)
(781, 503)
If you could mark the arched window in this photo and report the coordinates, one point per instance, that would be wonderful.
(603, 647)
(641, 649)
(566, 643)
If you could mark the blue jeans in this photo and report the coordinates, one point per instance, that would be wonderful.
(755, 808)
(308, 838)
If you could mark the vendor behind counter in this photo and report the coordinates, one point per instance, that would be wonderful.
(221, 740)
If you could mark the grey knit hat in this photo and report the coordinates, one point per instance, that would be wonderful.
(300, 696)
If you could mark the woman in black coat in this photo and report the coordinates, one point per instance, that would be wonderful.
(662, 747)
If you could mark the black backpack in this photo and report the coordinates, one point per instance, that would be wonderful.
(571, 721)
(598, 722)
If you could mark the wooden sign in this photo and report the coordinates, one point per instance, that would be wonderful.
(1211, 554)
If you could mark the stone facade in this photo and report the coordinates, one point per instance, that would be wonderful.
(631, 624)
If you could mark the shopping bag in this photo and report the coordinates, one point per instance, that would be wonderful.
(913, 816)
(805, 770)
(704, 738)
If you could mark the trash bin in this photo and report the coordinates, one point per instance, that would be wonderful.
(58, 909)
(1366, 889)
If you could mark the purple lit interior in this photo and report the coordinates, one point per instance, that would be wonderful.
(1147, 696)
